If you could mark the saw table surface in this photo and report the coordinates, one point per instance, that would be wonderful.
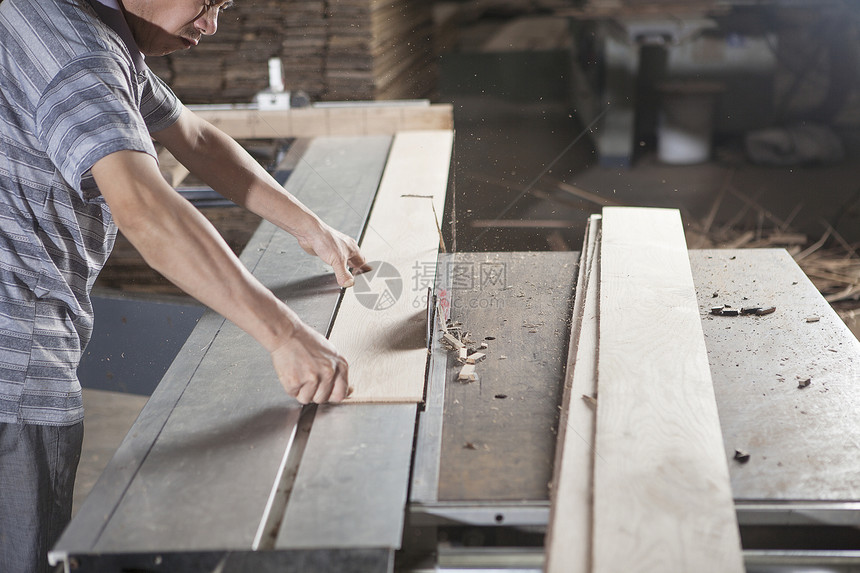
(803, 442)
(498, 435)
(219, 445)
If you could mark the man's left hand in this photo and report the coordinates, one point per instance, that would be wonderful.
(335, 249)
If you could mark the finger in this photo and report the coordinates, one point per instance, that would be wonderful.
(290, 388)
(324, 390)
(362, 269)
(358, 263)
(344, 277)
(306, 393)
(341, 386)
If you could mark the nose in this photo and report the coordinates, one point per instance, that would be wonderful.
(207, 22)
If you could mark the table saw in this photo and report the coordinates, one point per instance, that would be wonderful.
(223, 472)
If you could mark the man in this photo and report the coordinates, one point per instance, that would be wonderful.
(78, 111)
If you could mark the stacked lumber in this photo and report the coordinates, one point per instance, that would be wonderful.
(304, 46)
(379, 50)
(331, 49)
(644, 470)
(232, 65)
(254, 36)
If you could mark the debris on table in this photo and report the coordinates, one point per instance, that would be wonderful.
(830, 262)
(475, 357)
(455, 339)
(452, 341)
(804, 383)
(467, 373)
(728, 310)
(742, 456)
(813, 318)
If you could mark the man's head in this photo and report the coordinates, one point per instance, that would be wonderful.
(164, 26)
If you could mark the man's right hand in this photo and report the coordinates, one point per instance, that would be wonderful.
(309, 367)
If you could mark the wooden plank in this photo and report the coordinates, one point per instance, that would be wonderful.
(380, 327)
(568, 542)
(661, 482)
(376, 119)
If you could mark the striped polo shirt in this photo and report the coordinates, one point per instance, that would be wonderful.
(73, 89)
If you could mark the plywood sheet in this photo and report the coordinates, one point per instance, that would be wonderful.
(662, 500)
(380, 326)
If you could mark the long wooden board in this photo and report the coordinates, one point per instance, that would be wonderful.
(568, 544)
(662, 500)
(356, 119)
(380, 326)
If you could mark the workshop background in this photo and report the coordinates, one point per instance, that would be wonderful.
(558, 109)
(743, 115)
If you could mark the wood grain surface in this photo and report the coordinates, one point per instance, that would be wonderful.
(568, 544)
(662, 500)
(328, 121)
(380, 327)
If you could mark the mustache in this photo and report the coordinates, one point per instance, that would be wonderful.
(191, 33)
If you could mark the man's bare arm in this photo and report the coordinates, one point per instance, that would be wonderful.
(223, 164)
(176, 240)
